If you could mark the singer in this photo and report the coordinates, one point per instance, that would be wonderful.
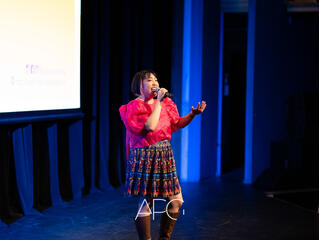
(150, 119)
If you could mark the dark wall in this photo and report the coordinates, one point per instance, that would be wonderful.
(285, 66)
(210, 73)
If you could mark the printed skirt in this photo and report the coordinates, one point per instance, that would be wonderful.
(151, 171)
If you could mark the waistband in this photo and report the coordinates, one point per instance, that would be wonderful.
(163, 143)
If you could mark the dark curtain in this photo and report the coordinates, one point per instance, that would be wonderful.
(41, 167)
(46, 163)
(10, 207)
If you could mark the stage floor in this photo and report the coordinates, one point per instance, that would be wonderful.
(213, 209)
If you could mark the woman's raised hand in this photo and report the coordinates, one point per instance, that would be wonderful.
(200, 108)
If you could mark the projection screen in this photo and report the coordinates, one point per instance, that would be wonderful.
(39, 55)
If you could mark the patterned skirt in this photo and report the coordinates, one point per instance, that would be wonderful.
(151, 171)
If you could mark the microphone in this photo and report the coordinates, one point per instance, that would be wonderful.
(167, 94)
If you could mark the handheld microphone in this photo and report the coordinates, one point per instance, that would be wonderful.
(167, 94)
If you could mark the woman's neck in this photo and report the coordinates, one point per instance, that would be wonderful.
(147, 100)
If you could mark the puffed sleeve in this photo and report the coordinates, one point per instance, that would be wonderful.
(134, 116)
(172, 113)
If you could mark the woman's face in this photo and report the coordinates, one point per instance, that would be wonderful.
(148, 86)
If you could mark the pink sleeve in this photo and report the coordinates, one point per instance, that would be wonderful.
(135, 117)
(173, 113)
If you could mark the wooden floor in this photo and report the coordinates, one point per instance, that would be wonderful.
(213, 209)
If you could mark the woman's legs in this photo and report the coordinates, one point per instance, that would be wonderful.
(174, 203)
(145, 205)
(169, 218)
(143, 219)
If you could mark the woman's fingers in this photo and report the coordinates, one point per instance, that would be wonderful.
(161, 93)
(163, 90)
(203, 105)
(200, 107)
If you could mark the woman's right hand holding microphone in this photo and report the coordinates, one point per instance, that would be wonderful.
(161, 94)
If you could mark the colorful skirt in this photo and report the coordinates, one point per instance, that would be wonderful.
(151, 171)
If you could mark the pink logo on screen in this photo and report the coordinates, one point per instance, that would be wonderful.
(31, 68)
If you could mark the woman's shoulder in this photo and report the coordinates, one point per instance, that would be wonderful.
(132, 108)
(138, 105)
(169, 102)
(135, 103)
(130, 104)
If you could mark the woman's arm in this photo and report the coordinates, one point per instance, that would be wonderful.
(153, 119)
(184, 121)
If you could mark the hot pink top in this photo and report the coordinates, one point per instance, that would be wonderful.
(134, 115)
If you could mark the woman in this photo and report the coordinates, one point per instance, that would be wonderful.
(150, 119)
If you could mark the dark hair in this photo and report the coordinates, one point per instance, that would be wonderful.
(138, 78)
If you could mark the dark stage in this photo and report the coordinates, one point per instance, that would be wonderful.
(223, 209)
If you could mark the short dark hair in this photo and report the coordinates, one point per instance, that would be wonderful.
(138, 78)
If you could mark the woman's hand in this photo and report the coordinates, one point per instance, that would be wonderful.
(161, 94)
(200, 108)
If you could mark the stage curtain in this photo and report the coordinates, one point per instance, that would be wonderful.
(53, 159)
(23, 158)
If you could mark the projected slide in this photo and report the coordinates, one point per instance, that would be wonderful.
(39, 55)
